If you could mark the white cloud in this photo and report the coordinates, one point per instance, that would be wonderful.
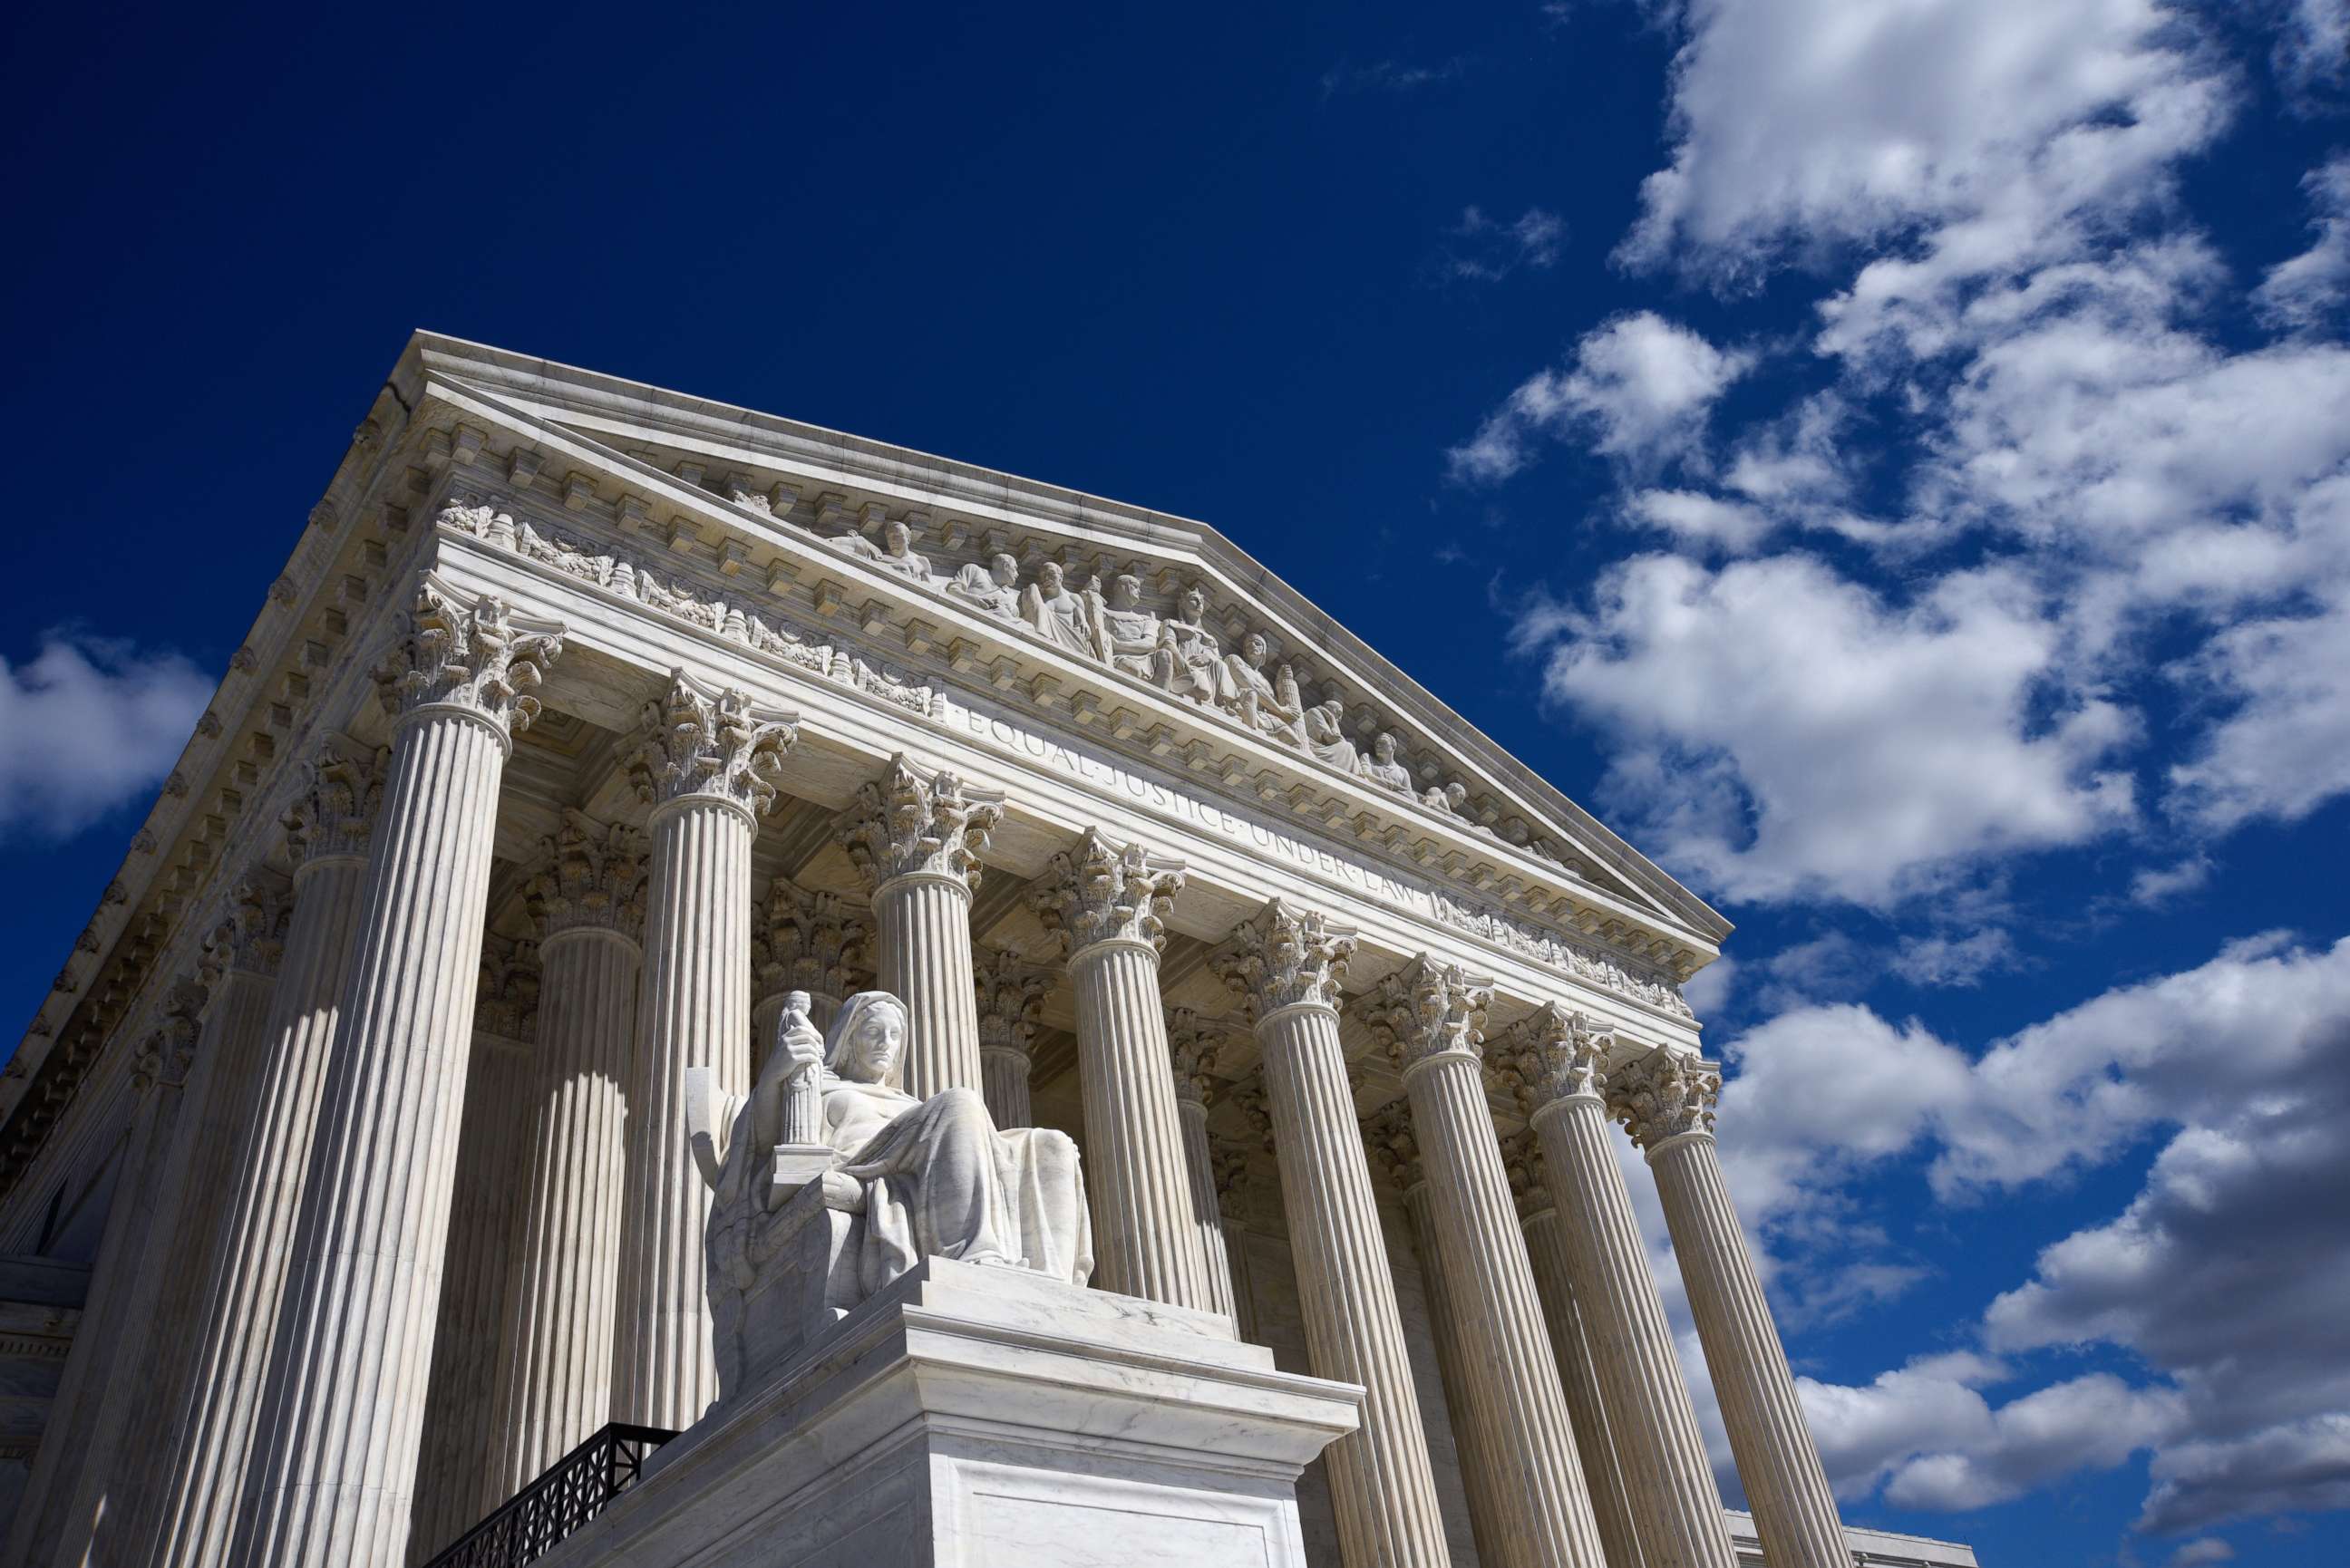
(2307, 291)
(1639, 389)
(2202, 1552)
(2091, 1423)
(88, 725)
(1784, 732)
(2158, 885)
(1487, 250)
(1700, 520)
(1937, 959)
(2312, 44)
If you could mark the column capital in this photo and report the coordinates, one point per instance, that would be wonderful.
(591, 878)
(1427, 1011)
(903, 823)
(1554, 1057)
(807, 940)
(251, 936)
(1193, 1042)
(1662, 1097)
(709, 743)
(1011, 999)
(168, 1052)
(1521, 1162)
(1284, 957)
(1098, 892)
(1393, 1147)
(342, 789)
(506, 1001)
(473, 655)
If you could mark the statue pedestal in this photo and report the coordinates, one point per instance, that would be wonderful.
(970, 1417)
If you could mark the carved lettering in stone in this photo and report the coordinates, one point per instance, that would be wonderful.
(1662, 1096)
(904, 823)
(704, 741)
(1281, 956)
(1099, 892)
(478, 656)
(590, 876)
(1428, 1009)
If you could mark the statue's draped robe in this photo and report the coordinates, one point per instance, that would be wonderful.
(938, 1178)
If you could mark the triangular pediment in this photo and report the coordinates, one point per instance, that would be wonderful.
(1133, 625)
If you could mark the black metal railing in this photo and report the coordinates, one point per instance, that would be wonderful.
(574, 1489)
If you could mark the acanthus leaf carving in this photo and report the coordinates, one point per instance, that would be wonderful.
(1428, 1009)
(505, 1000)
(169, 1053)
(591, 877)
(1663, 1095)
(251, 936)
(1392, 1145)
(342, 789)
(1194, 1041)
(903, 823)
(809, 940)
(1554, 1056)
(480, 657)
(1285, 957)
(1101, 892)
(1011, 993)
(711, 742)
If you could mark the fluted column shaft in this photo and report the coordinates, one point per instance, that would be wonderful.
(116, 1515)
(1595, 1442)
(1381, 1487)
(1547, 1517)
(333, 1480)
(1482, 1478)
(1145, 1233)
(1199, 1169)
(695, 1012)
(1787, 1487)
(923, 928)
(555, 1381)
(204, 1477)
(1675, 1502)
(454, 1484)
(67, 1466)
(1003, 1084)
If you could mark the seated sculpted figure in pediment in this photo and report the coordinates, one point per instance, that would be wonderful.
(896, 553)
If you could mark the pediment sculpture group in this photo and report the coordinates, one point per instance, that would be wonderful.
(1177, 653)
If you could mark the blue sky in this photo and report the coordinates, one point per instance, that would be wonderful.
(1891, 459)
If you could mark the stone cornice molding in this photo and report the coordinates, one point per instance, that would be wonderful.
(1099, 892)
(590, 878)
(1554, 1057)
(1284, 957)
(169, 1053)
(707, 742)
(807, 940)
(904, 823)
(480, 659)
(1428, 1011)
(545, 402)
(341, 791)
(252, 939)
(1663, 1097)
(1011, 993)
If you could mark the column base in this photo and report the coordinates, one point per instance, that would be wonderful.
(971, 1416)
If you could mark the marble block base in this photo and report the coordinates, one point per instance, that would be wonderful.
(971, 1416)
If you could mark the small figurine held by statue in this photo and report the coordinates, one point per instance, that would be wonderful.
(835, 1182)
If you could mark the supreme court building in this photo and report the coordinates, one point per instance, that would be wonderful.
(347, 1181)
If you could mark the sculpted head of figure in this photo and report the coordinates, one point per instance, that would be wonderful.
(1004, 570)
(1048, 579)
(1254, 649)
(867, 1038)
(1384, 748)
(1195, 604)
(896, 537)
(1126, 592)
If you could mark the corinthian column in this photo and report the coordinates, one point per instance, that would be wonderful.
(1603, 1470)
(333, 1477)
(554, 1376)
(1010, 995)
(1432, 1016)
(1193, 1042)
(916, 842)
(1286, 964)
(707, 762)
(116, 1516)
(1667, 1103)
(1109, 906)
(1675, 1506)
(68, 1465)
(803, 939)
(203, 1475)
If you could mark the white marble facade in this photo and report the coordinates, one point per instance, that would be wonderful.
(586, 724)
